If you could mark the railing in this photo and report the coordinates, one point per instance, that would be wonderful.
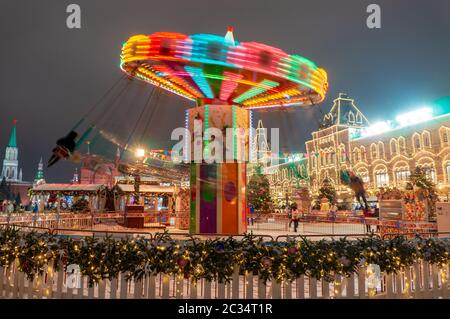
(85, 220)
(323, 224)
(422, 280)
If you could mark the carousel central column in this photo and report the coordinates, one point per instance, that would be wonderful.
(218, 199)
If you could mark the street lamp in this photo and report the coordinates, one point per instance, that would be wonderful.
(140, 153)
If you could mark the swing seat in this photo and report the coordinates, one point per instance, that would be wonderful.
(62, 152)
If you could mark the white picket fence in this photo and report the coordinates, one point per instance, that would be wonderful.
(419, 281)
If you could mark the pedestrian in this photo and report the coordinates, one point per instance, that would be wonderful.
(367, 213)
(289, 214)
(4, 206)
(295, 218)
(333, 212)
(10, 207)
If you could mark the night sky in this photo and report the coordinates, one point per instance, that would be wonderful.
(51, 75)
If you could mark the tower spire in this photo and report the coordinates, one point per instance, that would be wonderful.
(12, 137)
(39, 177)
(10, 163)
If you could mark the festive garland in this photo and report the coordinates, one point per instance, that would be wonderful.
(214, 259)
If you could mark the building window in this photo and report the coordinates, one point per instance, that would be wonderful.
(430, 172)
(381, 179)
(402, 145)
(426, 139)
(402, 174)
(381, 149)
(342, 153)
(443, 131)
(416, 141)
(351, 117)
(364, 176)
(363, 153)
(393, 145)
(447, 169)
(373, 151)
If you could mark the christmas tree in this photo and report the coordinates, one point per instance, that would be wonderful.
(327, 190)
(424, 188)
(258, 194)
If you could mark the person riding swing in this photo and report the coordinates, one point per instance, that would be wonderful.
(65, 146)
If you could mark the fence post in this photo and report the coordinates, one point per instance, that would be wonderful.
(417, 280)
(301, 287)
(261, 289)
(276, 290)
(193, 292)
(362, 283)
(235, 283)
(179, 286)
(249, 285)
(312, 288)
(207, 288)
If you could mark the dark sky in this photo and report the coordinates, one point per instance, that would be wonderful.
(51, 75)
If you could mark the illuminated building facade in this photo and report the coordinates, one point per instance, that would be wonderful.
(382, 154)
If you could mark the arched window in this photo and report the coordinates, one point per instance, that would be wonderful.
(364, 174)
(359, 118)
(429, 169)
(381, 149)
(363, 154)
(444, 135)
(416, 142)
(381, 176)
(393, 146)
(358, 155)
(426, 138)
(401, 172)
(402, 145)
(351, 117)
(447, 170)
(342, 150)
(373, 151)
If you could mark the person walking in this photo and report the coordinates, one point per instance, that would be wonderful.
(295, 218)
(289, 214)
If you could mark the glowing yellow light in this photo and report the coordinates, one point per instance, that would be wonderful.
(140, 152)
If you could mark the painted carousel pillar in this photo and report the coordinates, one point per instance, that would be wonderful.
(218, 201)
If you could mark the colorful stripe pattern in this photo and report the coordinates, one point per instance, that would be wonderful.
(220, 192)
(203, 67)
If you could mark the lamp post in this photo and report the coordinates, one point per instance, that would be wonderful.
(140, 155)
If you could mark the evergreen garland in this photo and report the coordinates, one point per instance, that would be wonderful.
(215, 259)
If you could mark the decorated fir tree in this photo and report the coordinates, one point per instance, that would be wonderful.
(258, 193)
(424, 189)
(327, 190)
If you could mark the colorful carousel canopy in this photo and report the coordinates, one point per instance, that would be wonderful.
(212, 69)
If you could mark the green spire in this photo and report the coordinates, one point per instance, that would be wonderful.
(12, 138)
(40, 172)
